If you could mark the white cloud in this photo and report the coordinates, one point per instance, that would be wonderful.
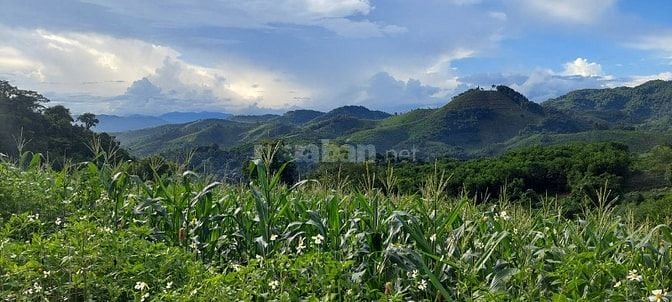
(382, 91)
(328, 14)
(76, 62)
(567, 11)
(70, 63)
(581, 67)
(641, 79)
(661, 42)
(543, 84)
(438, 72)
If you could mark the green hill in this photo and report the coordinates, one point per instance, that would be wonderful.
(647, 106)
(474, 123)
(184, 136)
(471, 121)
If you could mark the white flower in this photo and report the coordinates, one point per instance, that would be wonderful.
(169, 285)
(617, 284)
(274, 237)
(422, 285)
(260, 259)
(414, 274)
(33, 218)
(432, 238)
(141, 286)
(59, 221)
(274, 284)
(503, 215)
(37, 288)
(144, 297)
(301, 246)
(46, 273)
(478, 244)
(633, 276)
(659, 295)
(318, 239)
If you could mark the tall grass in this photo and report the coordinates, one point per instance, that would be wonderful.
(324, 243)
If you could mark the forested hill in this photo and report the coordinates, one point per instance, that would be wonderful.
(28, 124)
(648, 106)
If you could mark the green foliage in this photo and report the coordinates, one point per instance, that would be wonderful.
(577, 169)
(88, 119)
(27, 125)
(646, 106)
(98, 231)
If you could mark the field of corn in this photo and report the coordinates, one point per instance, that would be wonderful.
(93, 231)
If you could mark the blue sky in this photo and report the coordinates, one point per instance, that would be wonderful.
(256, 56)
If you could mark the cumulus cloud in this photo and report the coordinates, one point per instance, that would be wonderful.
(76, 62)
(438, 72)
(545, 84)
(581, 67)
(384, 92)
(71, 63)
(641, 79)
(567, 11)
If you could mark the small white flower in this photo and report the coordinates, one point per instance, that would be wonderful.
(633, 276)
(301, 246)
(659, 295)
(141, 286)
(59, 221)
(503, 215)
(432, 238)
(274, 237)
(422, 285)
(617, 284)
(144, 297)
(318, 239)
(415, 274)
(260, 259)
(169, 285)
(46, 273)
(274, 284)
(478, 244)
(37, 288)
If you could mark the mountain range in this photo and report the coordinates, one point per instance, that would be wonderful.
(477, 122)
(116, 123)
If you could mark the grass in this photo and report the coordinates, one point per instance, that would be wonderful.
(94, 231)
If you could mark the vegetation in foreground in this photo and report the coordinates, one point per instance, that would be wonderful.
(99, 232)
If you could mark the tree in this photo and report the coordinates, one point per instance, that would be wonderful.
(58, 116)
(88, 119)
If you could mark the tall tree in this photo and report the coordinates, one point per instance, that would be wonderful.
(88, 119)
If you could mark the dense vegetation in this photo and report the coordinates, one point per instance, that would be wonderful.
(475, 123)
(564, 169)
(28, 125)
(646, 106)
(98, 232)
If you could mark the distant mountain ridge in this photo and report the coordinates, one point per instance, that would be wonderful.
(647, 106)
(475, 123)
(116, 123)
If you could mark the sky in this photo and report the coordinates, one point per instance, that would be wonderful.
(268, 56)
